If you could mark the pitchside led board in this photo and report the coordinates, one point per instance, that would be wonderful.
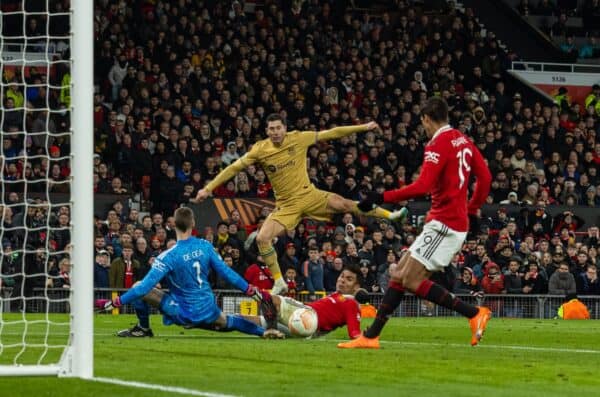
(547, 78)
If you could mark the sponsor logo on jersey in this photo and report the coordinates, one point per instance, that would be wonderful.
(432, 157)
(459, 141)
(271, 169)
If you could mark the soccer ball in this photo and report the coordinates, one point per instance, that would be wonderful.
(303, 322)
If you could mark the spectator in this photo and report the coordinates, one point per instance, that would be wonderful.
(493, 280)
(332, 270)
(60, 275)
(101, 269)
(290, 279)
(142, 254)
(124, 271)
(258, 274)
(289, 259)
(367, 280)
(533, 281)
(562, 281)
(588, 283)
(569, 48)
(467, 284)
(313, 271)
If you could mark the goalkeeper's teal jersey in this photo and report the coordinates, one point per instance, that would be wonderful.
(184, 270)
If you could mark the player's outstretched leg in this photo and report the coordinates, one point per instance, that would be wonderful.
(268, 308)
(264, 240)
(478, 316)
(142, 328)
(240, 324)
(379, 212)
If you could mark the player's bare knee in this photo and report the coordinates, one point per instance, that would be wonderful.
(276, 301)
(395, 273)
(408, 279)
(263, 240)
(347, 205)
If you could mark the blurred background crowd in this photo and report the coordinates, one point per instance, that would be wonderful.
(182, 89)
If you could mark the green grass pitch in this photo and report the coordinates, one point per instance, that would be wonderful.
(419, 357)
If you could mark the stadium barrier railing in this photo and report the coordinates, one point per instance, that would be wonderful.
(233, 302)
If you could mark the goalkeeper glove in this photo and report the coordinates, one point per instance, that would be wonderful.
(256, 293)
(108, 304)
(371, 200)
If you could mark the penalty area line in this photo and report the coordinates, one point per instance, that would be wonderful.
(151, 386)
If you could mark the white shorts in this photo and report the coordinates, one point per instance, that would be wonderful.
(436, 245)
(287, 307)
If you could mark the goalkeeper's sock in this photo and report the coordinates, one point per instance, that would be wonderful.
(435, 293)
(391, 300)
(142, 311)
(241, 324)
(269, 255)
(376, 212)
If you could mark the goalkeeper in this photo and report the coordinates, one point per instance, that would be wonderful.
(184, 270)
(283, 158)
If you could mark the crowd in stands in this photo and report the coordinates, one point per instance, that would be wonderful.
(182, 88)
(561, 27)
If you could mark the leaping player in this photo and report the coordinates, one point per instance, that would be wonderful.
(449, 161)
(283, 158)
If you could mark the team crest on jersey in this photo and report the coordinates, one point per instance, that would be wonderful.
(271, 168)
(292, 151)
(432, 157)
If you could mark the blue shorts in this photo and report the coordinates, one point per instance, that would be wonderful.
(174, 313)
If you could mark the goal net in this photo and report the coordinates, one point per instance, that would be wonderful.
(46, 188)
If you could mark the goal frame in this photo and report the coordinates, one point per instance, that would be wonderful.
(77, 359)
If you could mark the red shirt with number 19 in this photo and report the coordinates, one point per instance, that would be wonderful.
(449, 160)
(337, 310)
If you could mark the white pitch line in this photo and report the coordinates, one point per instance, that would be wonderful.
(151, 386)
(483, 345)
(480, 346)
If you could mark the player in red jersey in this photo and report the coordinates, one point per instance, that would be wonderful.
(449, 160)
(333, 311)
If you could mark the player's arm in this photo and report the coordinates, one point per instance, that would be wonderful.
(433, 164)
(340, 132)
(158, 271)
(229, 172)
(226, 272)
(483, 182)
(352, 316)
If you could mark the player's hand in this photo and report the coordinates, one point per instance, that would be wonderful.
(371, 125)
(202, 195)
(371, 200)
(108, 304)
(256, 293)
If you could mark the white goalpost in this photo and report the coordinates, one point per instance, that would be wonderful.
(33, 339)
